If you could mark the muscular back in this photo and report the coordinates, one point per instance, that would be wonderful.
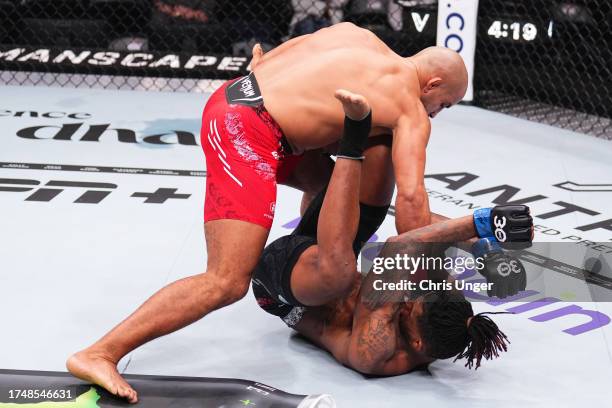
(299, 78)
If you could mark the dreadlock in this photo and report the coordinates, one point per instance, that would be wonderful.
(450, 328)
(485, 340)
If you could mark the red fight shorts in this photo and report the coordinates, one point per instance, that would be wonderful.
(246, 156)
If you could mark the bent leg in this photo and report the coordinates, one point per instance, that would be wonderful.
(310, 175)
(233, 250)
(242, 145)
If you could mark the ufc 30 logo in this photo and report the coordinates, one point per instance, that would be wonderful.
(92, 192)
(499, 224)
(505, 268)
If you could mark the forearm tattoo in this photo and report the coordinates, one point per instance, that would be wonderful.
(431, 240)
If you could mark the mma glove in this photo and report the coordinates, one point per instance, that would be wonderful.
(355, 136)
(505, 223)
(505, 272)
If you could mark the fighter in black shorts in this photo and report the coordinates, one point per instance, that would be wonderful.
(309, 278)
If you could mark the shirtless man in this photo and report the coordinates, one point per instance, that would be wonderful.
(254, 130)
(376, 331)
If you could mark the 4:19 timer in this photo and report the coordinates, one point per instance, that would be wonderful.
(516, 31)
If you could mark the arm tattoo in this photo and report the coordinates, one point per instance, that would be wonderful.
(378, 339)
(431, 240)
(460, 229)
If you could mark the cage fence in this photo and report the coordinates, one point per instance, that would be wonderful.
(543, 60)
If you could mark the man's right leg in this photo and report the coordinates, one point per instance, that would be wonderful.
(233, 249)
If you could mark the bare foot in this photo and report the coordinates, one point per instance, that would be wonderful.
(99, 370)
(355, 106)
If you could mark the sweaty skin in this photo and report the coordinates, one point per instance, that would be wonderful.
(298, 81)
(362, 330)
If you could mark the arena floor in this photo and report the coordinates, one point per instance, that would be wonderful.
(71, 270)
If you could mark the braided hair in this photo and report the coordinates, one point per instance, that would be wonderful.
(450, 328)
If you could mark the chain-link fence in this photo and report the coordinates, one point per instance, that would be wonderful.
(547, 60)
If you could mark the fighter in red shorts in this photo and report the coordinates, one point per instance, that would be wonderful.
(246, 152)
(292, 88)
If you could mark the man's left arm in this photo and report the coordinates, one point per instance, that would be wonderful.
(373, 339)
(410, 138)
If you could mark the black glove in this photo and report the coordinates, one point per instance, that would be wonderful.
(505, 223)
(504, 271)
(355, 136)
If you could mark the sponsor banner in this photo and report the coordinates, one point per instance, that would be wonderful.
(102, 128)
(102, 169)
(61, 390)
(91, 61)
(457, 20)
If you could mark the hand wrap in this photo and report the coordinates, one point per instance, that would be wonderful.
(355, 136)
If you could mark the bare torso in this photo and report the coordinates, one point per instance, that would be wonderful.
(298, 81)
(330, 327)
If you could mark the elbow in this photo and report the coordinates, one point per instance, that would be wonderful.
(359, 363)
(365, 361)
(411, 209)
(365, 367)
(393, 239)
(408, 243)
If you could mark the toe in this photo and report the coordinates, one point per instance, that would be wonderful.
(133, 397)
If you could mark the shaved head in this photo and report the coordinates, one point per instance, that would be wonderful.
(442, 76)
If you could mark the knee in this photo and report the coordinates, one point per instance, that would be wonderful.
(227, 288)
(234, 289)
